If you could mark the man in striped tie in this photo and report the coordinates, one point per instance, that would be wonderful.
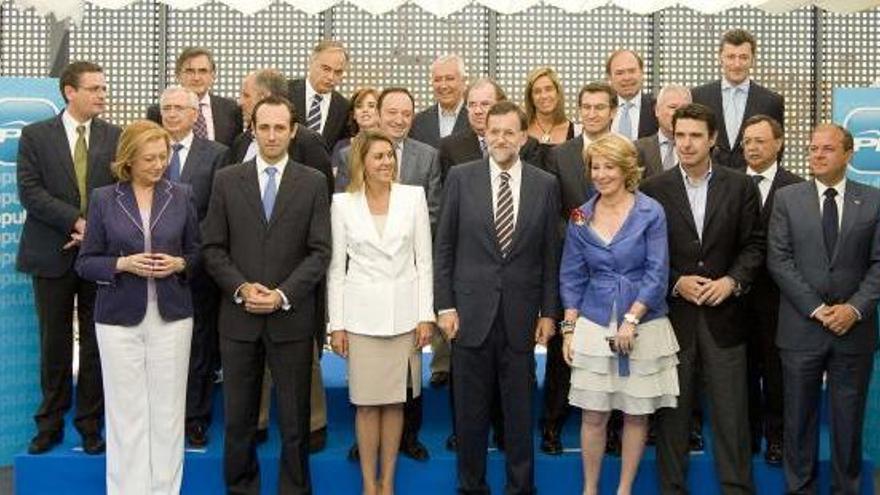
(322, 108)
(496, 292)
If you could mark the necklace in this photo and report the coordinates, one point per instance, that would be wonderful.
(545, 134)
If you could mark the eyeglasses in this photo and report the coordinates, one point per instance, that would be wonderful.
(175, 108)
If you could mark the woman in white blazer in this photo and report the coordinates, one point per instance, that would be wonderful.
(380, 287)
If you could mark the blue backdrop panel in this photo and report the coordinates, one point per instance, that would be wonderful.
(22, 101)
(858, 110)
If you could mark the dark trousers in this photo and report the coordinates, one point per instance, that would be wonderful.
(847, 377)
(412, 417)
(54, 299)
(765, 373)
(557, 380)
(204, 358)
(723, 370)
(496, 417)
(290, 364)
(477, 371)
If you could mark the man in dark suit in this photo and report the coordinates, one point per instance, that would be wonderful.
(445, 117)
(635, 116)
(218, 118)
(762, 140)
(656, 153)
(267, 244)
(194, 161)
(496, 269)
(716, 247)
(60, 161)
(470, 144)
(597, 105)
(324, 109)
(735, 97)
(824, 253)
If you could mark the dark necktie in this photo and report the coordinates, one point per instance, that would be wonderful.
(504, 215)
(757, 180)
(200, 128)
(313, 121)
(829, 221)
(173, 172)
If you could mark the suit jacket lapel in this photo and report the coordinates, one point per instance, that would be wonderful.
(161, 200)
(528, 201)
(250, 185)
(852, 203)
(718, 102)
(575, 153)
(97, 139)
(192, 158)
(64, 158)
(285, 189)
(482, 191)
(812, 217)
(680, 198)
(366, 218)
(392, 221)
(127, 202)
(751, 108)
(408, 161)
(654, 156)
(461, 122)
(715, 195)
(434, 120)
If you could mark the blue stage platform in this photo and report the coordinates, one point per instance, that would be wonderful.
(66, 470)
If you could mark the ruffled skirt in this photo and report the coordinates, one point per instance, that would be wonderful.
(653, 377)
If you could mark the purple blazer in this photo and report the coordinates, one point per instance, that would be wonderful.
(114, 229)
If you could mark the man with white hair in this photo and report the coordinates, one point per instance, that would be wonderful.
(194, 161)
(324, 110)
(448, 115)
(657, 151)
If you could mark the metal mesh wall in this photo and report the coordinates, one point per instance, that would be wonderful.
(575, 45)
(23, 42)
(125, 43)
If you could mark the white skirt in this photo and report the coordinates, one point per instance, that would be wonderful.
(653, 378)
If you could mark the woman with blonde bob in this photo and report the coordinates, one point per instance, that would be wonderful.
(380, 299)
(616, 336)
(545, 108)
(142, 238)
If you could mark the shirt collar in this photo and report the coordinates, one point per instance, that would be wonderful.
(451, 113)
(495, 171)
(205, 100)
(71, 123)
(262, 165)
(635, 101)
(840, 187)
(695, 183)
(725, 85)
(769, 174)
(663, 139)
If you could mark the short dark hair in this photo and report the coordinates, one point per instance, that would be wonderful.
(757, 119)
(193, 52)
(696, 111)
(737, 37)
(599, 87)
(505, 107)
(846, 137)
(357, 97)
(394, 89)
(500, 95)
(274, 100)
(71, 73)
(621, 51)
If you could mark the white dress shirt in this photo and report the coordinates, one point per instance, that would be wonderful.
(635, 111)
(446, 120)
(325, 104)
(764, 186)
(515, 181)
(184, 152)
(70, 125)
(205, 109)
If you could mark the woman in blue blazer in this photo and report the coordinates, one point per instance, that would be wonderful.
(616, 337)
(141, 240)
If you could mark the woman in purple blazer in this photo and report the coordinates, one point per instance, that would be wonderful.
(141, 240)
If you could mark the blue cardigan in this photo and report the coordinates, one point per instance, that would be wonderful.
(114, 229)
(634, 266)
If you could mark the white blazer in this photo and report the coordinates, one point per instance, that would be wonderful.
(380, 285)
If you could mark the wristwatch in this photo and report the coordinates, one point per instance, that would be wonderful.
(630, 318)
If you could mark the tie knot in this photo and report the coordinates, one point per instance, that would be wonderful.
(318, 98)
(176, 147)
(81, 129)
(830, 193)
(505, 177)
(757, 178)
(271, 171)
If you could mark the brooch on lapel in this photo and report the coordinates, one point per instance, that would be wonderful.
(578, 218)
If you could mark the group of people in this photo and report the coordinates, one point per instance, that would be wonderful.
(654, 246)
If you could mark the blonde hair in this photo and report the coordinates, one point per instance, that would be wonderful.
(559, 111)
(134, 137)
(621, 152)
(360, 146)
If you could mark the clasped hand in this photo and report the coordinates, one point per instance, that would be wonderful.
(259, 299)
(150, 265)
(838, 318)
(705, 291)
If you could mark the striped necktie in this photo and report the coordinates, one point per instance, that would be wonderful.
(200, 128)
(504, 215)
(313, 120)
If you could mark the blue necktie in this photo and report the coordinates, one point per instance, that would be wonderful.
(829, 221)
(270, 192)
(174, 163)
(313, 120)
(625, 125)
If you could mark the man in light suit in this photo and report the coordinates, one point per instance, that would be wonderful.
(60, 161)
(218, 118)
(324, 109)
(635, 117)
(306, 147)
(417, 166)
(266, 242)
(597, 105)
(194, 161)
(716, 247)
(762, 140)
(824, 253)
(736, 97)
(449, 114)
(496, 290)
(656, 153)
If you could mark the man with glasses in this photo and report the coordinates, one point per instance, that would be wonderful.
(218, 118)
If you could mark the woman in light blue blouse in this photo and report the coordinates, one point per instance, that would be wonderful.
(616, 337)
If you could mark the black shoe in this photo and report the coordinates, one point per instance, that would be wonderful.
(93, 444)
(773, 456)
(439, 379)
(695, 442)
(413, 448)
(196, 435)
(354, 454)
(44, 441)
(551, 443)
(317, 440)
(261, 436)
(452, 442)
(612, 442)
